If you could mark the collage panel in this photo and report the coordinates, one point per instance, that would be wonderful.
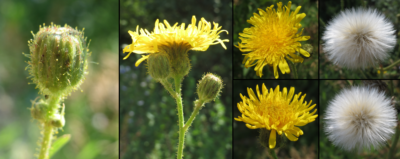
(359, 39)
(275, 119)
(175, 79)
(275, 39)
(359, 118)
(58, 79)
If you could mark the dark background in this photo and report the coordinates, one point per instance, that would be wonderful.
(92, 115)
(148, 114)
(331, 8)
(246, 144)
(244, 9)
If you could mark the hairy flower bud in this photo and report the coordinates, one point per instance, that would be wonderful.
(58, 119)
(158, 66)
(209, 87)
(58, 59)
(38, 110)
(178, 58)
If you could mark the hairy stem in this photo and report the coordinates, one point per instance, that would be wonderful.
(168, 87)
(197, 107)
(180, 116)
(272, 153)
(48, 128)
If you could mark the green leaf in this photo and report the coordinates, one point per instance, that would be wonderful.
(59, 143)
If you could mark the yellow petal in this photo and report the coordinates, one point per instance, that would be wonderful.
(276, 74)
(284, 66)
(303, 38)
(290, 95)
(304, 53)
(300, 17)
(141, 60)
(290, 136)
(272, 139)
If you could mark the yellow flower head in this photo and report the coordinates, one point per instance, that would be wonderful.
(277, 112)
(273, 37)
(166, 37)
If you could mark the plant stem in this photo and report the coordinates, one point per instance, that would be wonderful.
(272, 153)
(294, 69)
(197, 107)
(381, 74)
(392, 65)
(394, 144)
(180, 116)
(48, 127)
(168, 87)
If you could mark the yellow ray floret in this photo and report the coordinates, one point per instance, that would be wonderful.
(276, 111)
(199, 37)
(273, 37)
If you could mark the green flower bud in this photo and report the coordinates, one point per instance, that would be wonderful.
(209, 87)
(178, 58)
(58, 120)
(58, 59)
(38, 110)
(158, 66)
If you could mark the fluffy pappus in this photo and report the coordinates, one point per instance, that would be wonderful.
(360, 117)
(358, 38)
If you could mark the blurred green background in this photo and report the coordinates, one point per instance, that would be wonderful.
(246, 144)
(92, 115)
(328, 90)
(331, 8)
(244, 9)
(148, 114)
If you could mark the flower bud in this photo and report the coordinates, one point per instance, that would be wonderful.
(38, 110)
(209, 87)
(58, 59)
(158, 66)
(58, 120)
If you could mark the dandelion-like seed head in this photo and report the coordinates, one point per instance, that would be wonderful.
(358, 38)
(273, 37)
(360, 117)
(175, 41)
(279, 112)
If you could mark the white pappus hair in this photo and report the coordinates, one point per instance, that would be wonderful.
(357, 38)
(360, 117)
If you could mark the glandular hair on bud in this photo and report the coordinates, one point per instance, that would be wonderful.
(209, 87)
(158, 66)
(58, 59)
(39, 110)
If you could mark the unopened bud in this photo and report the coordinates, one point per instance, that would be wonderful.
(39, 110)
(58, 59)
(58, 119)
(209, 87)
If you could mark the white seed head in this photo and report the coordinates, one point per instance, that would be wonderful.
(360, 117)
(358, 38)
